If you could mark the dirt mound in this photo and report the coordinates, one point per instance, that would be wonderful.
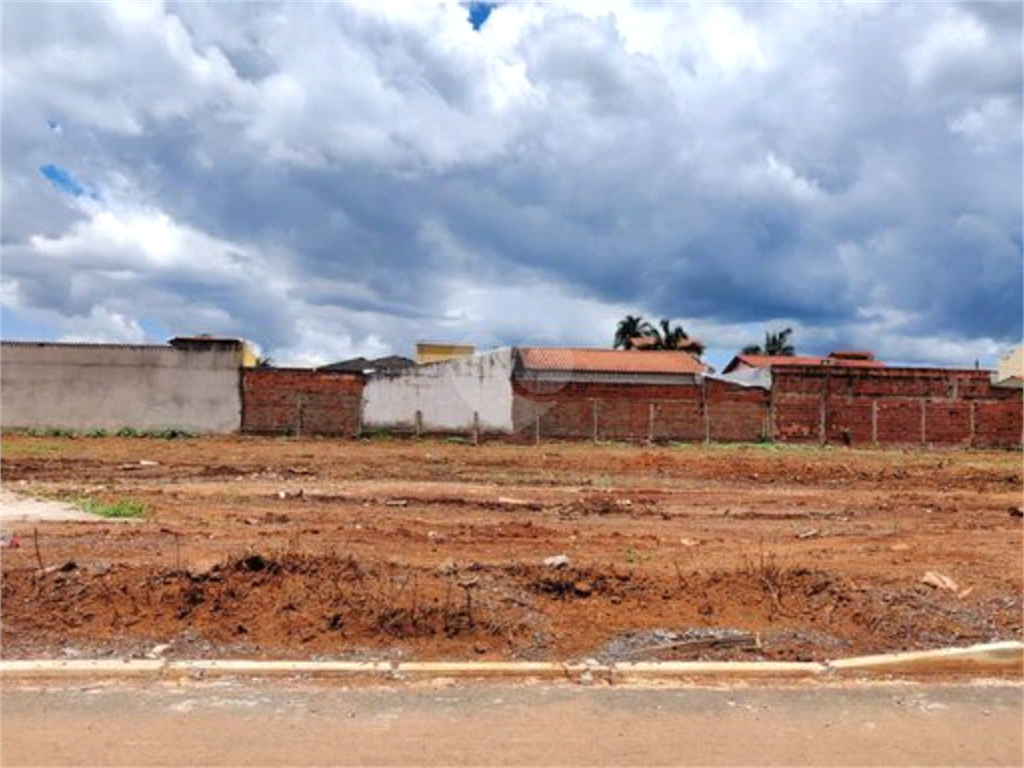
(298, 604)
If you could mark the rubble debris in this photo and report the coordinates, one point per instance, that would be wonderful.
(811, 533)
(158, 650)
(556, 561)
(939, 581)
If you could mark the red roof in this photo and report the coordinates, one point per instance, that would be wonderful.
(609, 360)
(774, 361)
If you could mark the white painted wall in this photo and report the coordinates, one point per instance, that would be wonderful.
(446, 393)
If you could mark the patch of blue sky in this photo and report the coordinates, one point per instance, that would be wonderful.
(62, 179)
(13, 327)
(479, 13)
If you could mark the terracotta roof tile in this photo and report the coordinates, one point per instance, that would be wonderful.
(609, 360)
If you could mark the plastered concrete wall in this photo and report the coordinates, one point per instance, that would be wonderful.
(446, 394)
(94, 386)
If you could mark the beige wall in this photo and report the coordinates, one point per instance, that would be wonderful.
(431, 352)
(1011, 368)
(91, 386)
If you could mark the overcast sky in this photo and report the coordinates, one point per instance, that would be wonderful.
(340, 179)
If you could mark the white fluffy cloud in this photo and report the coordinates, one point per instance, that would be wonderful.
(346, 178)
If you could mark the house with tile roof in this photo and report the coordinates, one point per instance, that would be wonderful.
(839, 359)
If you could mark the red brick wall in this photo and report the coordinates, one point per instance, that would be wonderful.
(639, 412)
(886, 405)
(301, 401)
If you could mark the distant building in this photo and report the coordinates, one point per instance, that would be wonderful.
(433, 352)
(606, 364)
(839, 359)
(365, 365)
(1010, 371)
(205, 342)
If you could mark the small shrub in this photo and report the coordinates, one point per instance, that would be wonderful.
(97, 432)
(127, 432)
(168, 434)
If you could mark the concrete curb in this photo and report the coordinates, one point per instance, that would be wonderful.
(989, 657)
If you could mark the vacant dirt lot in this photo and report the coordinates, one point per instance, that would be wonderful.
(341, 549)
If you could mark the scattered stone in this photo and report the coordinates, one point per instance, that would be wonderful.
(396, 503)
(689, 542)
(506, 501)
(147, 463)
(809, 534)
(899, 547)
(276, 517)
(965, 592)
(582, 588)
(556, 561)
(1016, 511)
(939, 581)
(448, 567)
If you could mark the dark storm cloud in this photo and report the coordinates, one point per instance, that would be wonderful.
(341, 178)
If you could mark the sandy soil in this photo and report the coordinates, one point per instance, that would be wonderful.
(422, 549)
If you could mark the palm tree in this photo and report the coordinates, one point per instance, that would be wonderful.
(632, 327)
(775, 345)
(677, 339)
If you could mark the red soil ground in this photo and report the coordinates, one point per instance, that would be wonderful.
(404, 549)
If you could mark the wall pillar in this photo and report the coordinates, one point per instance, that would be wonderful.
(650, 423)
(705, 414)
(874, 422)
(300, 405)
(924, 421)
(593, 414)
(419, 423)
(974, 422)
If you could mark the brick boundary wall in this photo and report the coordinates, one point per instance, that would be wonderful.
(895, 406)
(695, 412)
(299, 401)
(858, 407)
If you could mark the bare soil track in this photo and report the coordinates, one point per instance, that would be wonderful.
(258, 547)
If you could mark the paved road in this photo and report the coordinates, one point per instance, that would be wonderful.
(296, 723)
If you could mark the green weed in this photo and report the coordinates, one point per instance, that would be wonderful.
(120, 509)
